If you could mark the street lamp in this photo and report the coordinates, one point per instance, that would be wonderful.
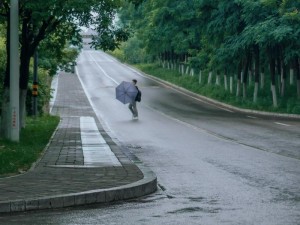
(14, 129)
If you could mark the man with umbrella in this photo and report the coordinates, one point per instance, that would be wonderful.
(132, 105)
(128, 92)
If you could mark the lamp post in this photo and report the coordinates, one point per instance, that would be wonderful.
(14, 72)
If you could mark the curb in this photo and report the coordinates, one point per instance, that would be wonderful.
(145, 186)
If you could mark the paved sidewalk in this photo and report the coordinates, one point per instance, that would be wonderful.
(81, 164)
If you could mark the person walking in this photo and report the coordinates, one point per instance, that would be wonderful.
(132, 106)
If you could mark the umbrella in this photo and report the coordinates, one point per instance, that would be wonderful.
(126, 92)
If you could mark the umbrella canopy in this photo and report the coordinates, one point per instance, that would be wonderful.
(126, 92)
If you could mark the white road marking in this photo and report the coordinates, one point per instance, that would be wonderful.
(54, 86)
(108, 57)
(252, 117)
(110, 159)
(96, 151)
(283, 124)
(103, 71)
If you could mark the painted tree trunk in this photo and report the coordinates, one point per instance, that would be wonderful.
(182, 69)
(218, 79)
(209, 77)
(225, 82)
(273, 78)
(200, 77)
(274, 95)
(231, 84)
(187, 70)
(192, 72)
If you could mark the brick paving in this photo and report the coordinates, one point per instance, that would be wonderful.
(60, 177)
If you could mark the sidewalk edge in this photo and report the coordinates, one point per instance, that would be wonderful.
(140, 188)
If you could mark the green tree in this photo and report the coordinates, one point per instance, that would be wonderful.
(246, 37)
(40, 19)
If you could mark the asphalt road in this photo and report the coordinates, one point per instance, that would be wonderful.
(214, 166)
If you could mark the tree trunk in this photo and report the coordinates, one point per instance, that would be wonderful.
(256, 72)
(22, 103)
(192, 72)
(283, 80)
(244, 91)
(297, 73)
(231, 84)
(239, 78)
(262, 80)
(273, 83)
(182, 69)
(200, 77)
(5, 114)
(255, 92)
(291, 76)
(209, 77)
(218, 79)
(187, 70)
(238, 88)
(278, 72)
(24, 68)
(245, 75)
(250, 76)
(225, 82)
(274, 95)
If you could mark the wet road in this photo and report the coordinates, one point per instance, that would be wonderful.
(214, 166)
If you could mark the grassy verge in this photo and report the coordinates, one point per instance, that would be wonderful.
(18, 157)
(289, 104)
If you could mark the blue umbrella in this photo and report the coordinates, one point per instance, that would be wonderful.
(126, 92)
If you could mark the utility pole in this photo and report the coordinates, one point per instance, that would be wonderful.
(14, 129)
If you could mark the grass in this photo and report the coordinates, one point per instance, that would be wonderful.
(289, 104)
(17, 157)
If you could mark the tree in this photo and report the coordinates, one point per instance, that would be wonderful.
(248, 36)
(39, 19)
